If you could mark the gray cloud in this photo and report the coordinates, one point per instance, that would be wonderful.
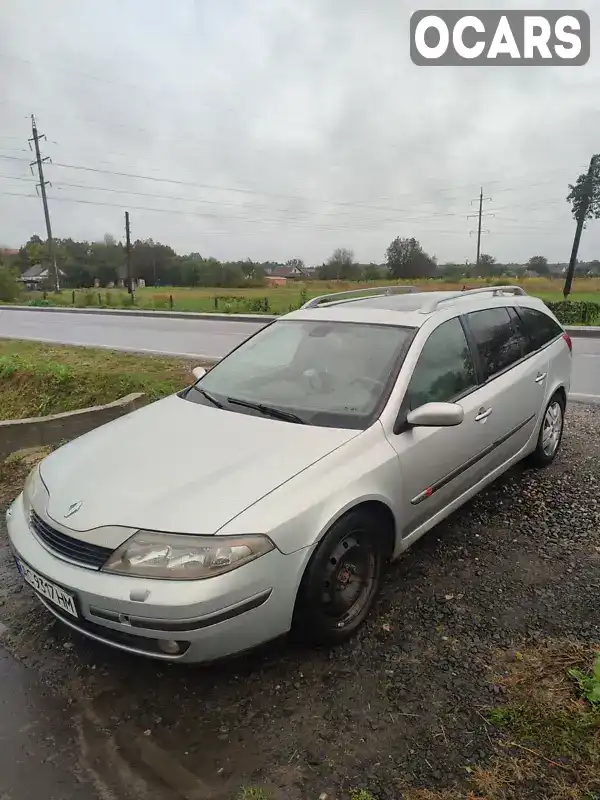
(312, 110)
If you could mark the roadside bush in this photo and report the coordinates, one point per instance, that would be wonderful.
(9, 288)
(40, 302)
(578, 312)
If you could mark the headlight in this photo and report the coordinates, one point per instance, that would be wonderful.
(184, 558)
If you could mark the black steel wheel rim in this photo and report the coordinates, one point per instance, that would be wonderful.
(349, 578)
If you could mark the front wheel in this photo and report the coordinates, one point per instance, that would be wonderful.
(551, 432)
(341, 581)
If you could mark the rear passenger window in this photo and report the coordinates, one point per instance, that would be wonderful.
(540, 328)
(498, 341)
(445, 369)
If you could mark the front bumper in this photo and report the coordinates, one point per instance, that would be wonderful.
(210, 619)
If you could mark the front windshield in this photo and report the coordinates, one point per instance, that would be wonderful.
(332, 374)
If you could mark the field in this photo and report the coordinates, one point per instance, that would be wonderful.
(39, 379)
(281, 299)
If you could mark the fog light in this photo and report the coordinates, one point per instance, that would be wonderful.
(169, 646)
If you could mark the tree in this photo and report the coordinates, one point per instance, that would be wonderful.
(487, 267)
(339, 266)
(584, 197)
(407, 259)
(539, 265)
(9, 288)
(37, 250)
(454, 272)
(372, 272)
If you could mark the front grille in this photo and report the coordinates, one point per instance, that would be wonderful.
(88, 555)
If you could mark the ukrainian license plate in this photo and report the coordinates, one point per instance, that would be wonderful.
(64, 600)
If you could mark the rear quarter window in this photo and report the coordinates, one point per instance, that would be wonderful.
(499, 343)
(540, 327)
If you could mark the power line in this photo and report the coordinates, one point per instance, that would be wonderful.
(254, 222)
(244, 206)
(153, 178)
(179, 198)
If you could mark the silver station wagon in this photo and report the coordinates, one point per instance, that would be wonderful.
(269, 495)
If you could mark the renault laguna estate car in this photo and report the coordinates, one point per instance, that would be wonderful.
(268, 496)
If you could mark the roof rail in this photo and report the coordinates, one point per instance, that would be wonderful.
(357, 294)
(495, 290)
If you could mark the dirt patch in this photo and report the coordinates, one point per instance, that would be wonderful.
(403, 710)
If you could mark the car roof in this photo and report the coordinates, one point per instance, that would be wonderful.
(411, 309)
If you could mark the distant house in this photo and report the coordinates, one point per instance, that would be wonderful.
(275, 280)
(287, 272)
(35, 276)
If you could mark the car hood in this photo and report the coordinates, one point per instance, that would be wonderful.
(178, 466)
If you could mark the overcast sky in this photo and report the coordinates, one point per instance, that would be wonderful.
(286, 128)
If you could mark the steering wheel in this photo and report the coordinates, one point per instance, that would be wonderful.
(318, 379)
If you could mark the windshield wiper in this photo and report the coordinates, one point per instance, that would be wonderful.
(208, 396)
(268, 411)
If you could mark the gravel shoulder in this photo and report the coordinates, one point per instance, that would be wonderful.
(504, 592)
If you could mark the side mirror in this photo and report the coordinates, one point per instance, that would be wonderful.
(436, 415)
(198, 372)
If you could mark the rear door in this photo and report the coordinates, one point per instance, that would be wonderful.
(439, 464)
(543, 332)
(515, 377)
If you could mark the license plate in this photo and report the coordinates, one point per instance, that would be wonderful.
(52, 592)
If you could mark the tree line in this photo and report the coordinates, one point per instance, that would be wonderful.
(82, 263)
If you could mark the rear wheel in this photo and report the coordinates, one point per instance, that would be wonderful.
(551, 432)
(342, 580)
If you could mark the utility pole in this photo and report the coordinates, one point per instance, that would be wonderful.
(42, 184)
(128, 255)
(479, 226)
(479, 216)
(581, 215)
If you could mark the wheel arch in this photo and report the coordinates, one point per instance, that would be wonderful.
(376, 507)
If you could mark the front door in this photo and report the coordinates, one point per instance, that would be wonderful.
(439, 464)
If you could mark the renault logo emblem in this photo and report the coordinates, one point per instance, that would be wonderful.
(73, 508)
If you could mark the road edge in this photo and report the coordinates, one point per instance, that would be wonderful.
(588, 331)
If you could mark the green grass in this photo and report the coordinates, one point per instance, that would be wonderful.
(589, 683)
(281, 299)
(560, 733)
(252, 793)
(549, 725)
(38, 379)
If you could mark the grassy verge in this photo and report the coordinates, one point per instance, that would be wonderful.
(549, 729)
(38, 379)
(281, 299)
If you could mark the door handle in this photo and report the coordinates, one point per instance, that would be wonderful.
(483, 414)
(541, 377)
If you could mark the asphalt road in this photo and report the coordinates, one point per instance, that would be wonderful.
(205, 338)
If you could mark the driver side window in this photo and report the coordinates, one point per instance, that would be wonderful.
(445, 368)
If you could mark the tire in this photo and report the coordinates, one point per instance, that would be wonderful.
(331, 606)
(551, 431)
